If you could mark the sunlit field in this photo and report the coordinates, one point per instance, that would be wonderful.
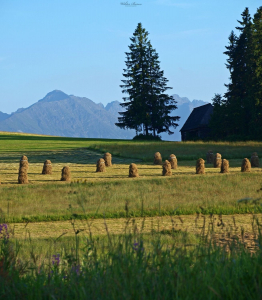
(73, 232)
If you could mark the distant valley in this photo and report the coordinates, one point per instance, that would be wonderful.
(60, 114)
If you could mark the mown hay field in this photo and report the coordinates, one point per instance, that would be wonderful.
(58, 228)
(112, 193)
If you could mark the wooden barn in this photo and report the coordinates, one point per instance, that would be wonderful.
(196, 126)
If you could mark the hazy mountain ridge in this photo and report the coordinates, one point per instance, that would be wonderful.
(67, 115)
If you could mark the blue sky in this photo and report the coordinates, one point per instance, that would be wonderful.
(79, 46)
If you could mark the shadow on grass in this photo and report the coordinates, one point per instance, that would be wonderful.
(76, 156)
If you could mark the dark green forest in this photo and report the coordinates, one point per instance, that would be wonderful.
(237, 114)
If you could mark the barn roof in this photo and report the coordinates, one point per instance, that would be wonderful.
(199, 117)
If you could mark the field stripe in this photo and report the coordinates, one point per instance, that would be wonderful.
(189, 223)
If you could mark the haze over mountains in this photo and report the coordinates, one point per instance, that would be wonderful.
(67, 115)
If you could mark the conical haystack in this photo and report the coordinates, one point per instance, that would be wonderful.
(167, 169)
(254, 160)
(217, 160)
(24, 162)
(133, 172)
(173, 161)
(210, 157)
(157, 159)
(47, 168)
(200, 166)
(66, 174)
(108, 159)
(22, 175)
(224, 166)
(246, 165)
(100, 165)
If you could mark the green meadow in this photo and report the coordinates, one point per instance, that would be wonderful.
(116, 232)
(92, 194)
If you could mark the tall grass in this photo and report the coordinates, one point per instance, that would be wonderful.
(162, 265)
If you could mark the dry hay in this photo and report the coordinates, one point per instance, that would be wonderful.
(200, 166)
(246, 165)
(108, 159)
(167, 168)
(217, 160)
(133, 172)
(224, 166)
(173, 161)
(100, 165)
(66, 174)
(210, 157)
(24, 162)
(47, 168)
(22, 175)
(254, 160)
(157, 159)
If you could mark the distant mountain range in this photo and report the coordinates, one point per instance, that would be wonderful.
(60, 114)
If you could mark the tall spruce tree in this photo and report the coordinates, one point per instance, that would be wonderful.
(257, 75)
(242, 108)
(147, 106)
(240, 65)
(219, 120)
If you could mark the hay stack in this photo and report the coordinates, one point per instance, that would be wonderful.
(133, 172)
(22, 175)
(210, 157)
(108, 159)
(217, 160)
(24, 162)
(66, 174)
(224, 166)
(254, 160)
(246, 165)
(157, 159)
(100, 165)
(47, 168)
(200, 166)
(167, 168)
(173, 161)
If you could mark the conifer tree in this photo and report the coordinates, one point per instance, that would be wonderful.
(219, 120)
(257, 75)
(160, 105)
(239, 100)
(147, 106)
(242, 106)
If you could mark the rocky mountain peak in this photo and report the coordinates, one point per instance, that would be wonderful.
(55, 95)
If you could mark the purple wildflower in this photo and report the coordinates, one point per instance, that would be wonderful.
(135, 246)
(4, 234)
(56, 260)
(76, 269)
(138, 247)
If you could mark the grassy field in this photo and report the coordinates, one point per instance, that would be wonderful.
(126, 234)
(110, 194)
(63, 149)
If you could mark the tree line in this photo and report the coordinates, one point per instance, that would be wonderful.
(237, 115)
